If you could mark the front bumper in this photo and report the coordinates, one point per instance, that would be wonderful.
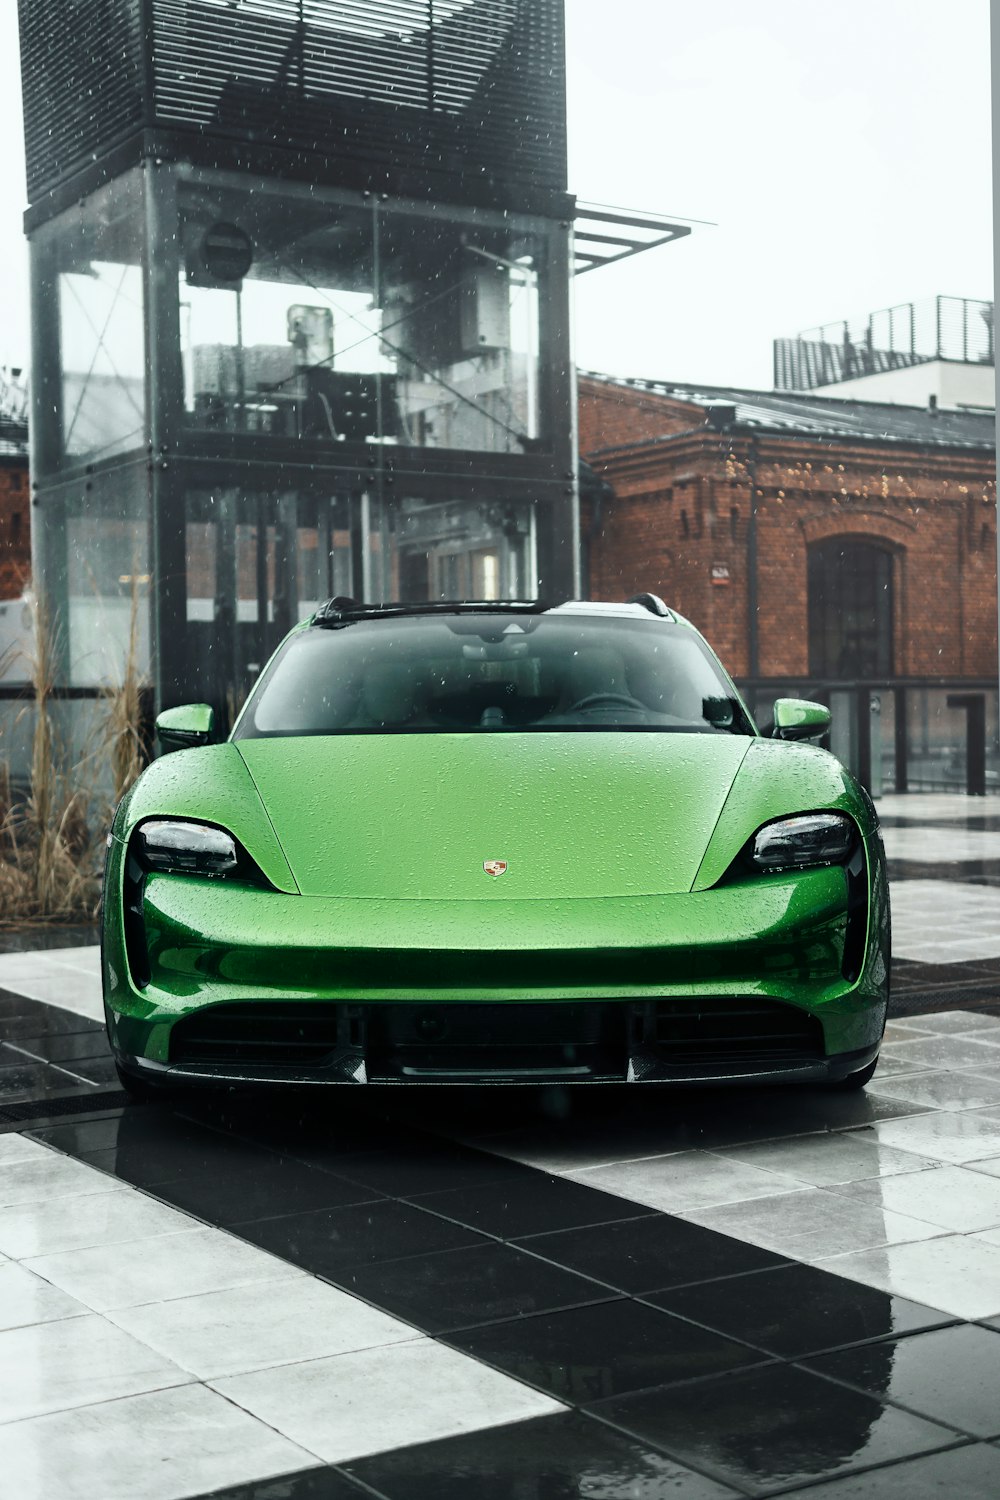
(778, 942)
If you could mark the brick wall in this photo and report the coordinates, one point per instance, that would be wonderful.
(678, 524)
(15, 526)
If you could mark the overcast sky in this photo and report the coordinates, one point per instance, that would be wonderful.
(842, 151)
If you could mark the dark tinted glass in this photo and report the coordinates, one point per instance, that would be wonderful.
(492, 673)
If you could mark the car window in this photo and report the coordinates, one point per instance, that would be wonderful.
(493, 673)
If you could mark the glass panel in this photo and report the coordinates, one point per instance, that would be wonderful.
(324, 555)
(883, 712)
(98, 252)
(279, 329)
(936, 739)
(460, 330)
(308, 317)
(465, 550)
(107, 578)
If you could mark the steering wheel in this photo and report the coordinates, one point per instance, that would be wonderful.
(599, 700)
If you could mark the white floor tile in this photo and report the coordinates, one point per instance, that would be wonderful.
(942, 1136)
(954, 1021)
(26, 1299)
(927, 913)
(944, 1053)
(960, 1274)
(161, 1268)
(179, 1442)
(811, 1224)
(949, 1197)
(380, 1399)
(229, 1333)
(75, 1362)
(110, 1218)
(942, 845)
(690, 1179)
(15, 1147)
(947, 1091)
(51, 1176)
(824, 1160)
(930, 807)
(68, 990)
(67, 977)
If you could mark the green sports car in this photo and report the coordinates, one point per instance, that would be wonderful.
(495, 842)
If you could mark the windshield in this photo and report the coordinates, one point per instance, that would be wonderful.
(493, 673)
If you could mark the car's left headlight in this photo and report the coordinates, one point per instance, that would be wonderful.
(170, 845)
(803, 842)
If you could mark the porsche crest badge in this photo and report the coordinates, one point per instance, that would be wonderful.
(495, 866)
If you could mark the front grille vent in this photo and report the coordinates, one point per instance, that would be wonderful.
(715, 1033)
(300, 1035)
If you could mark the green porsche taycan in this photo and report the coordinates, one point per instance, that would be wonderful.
(503, 843)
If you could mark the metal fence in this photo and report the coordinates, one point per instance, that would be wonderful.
(904, 735)
(912, 333)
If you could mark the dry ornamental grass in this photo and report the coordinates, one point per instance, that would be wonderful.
(52, 840)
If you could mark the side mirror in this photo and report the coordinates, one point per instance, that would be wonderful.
(183, 728)
(798, 719)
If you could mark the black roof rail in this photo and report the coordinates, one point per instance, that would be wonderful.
(340, 609)
(654, 604)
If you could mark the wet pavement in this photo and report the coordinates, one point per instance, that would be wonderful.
(522, 1295)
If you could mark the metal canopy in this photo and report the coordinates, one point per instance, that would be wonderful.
(602, 234)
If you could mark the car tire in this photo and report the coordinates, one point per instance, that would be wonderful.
(855, 1081)
(138, 1089)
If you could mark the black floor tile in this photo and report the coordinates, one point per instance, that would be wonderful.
(527, 1206)
(773, 1427)
(317, 1127)
(952, 1375)
(44, 1020)
(651, 1253)
(309, 1484)
(38, 937)
(797, 1310)
(94, 1069)
(332, 1241)
(65, 1047)
(413, 1171)
(30, 1080)
(148, 1144)
(969, 1473)
(459, 1288)
(560, 1457)
(260, 1186)
(605, 1350)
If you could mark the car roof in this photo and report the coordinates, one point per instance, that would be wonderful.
(640, 607)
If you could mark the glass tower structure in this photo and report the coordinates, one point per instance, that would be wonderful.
(300, 291)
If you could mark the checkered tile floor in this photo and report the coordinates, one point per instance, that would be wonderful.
(619, 1294)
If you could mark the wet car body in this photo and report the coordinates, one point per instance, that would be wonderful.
(438, 868)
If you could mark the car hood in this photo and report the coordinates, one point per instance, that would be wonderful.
(571, 814)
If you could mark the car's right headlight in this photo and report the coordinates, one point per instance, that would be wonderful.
(803, 842)
(169, 845)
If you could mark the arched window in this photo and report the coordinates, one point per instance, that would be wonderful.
(850, 609)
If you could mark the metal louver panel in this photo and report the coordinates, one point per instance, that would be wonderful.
(82, 79)
(444, 85)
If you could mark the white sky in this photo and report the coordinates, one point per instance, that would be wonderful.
(842, 150)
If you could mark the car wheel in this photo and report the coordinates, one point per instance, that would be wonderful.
(857, 1080)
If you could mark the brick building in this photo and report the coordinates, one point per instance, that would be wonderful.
(816, 541)
(15, 500)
